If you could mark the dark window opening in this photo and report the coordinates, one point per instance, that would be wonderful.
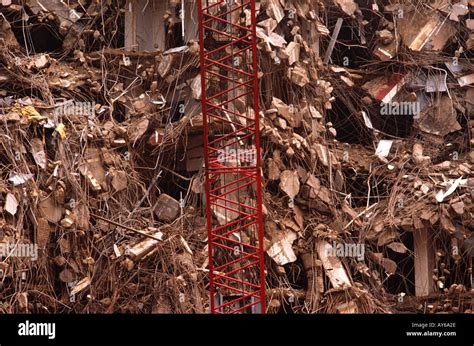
(404, 278)
(174, 31)
(35, 36)
(356, 185)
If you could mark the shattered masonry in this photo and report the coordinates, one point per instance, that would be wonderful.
(367, 131)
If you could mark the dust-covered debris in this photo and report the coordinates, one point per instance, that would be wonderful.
(367, 130)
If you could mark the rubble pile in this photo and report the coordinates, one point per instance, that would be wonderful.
(367, 127)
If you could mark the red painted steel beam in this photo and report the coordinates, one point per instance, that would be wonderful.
(229, 77)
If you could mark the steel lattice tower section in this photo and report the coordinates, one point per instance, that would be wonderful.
(232, 155)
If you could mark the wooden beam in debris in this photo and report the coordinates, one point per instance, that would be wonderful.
(424, 262)
(332, 43)
(191, 21)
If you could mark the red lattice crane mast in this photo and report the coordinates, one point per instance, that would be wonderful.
(229, 77)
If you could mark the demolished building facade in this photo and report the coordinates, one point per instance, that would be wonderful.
(367, 129)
